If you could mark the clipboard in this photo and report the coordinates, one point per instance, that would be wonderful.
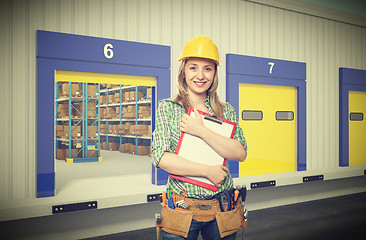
(195, 149)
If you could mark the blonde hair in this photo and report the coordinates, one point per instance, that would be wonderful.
(182, 96)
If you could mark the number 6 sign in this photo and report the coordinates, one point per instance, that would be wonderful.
(108, 52)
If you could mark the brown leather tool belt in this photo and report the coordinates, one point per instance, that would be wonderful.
(178, 222)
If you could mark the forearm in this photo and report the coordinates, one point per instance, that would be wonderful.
(175, 164)
(226, 147)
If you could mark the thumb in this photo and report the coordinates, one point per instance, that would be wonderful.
(198, 115)
(225, 168)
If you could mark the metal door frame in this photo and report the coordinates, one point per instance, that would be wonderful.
(61, 51)
(349, 80)
(257, 70)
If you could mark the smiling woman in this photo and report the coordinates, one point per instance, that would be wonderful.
(197, 88)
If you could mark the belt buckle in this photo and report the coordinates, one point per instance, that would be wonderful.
(203, 206)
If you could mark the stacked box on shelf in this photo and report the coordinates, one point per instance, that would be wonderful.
(75, 89)
(111, 113)
(103, 99)
(75, 153)
(103, 128)
(129, 112)
(140, 95)
(124, 128)
(143, 150)
(91, 110)
(76, 131)
(113, 129)
(127, 148)
(112, 86)
(144, 111)
(60, 154)
(92, 153)
(126, 97)
(93, 131)
(110, 98)
(60, 131)
(63, 110)
(140, 129)
(103, 146)
(113, 146)
(92, 90)
(149, 93)
(117, 97)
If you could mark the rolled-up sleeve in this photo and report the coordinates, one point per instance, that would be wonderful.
(162, 133)
(232, 116)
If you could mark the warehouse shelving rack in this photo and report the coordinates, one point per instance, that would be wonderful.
(89, 146)
(123, 138)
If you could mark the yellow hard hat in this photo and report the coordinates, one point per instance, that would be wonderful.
(202, 47)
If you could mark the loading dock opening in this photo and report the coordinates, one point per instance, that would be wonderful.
(68, 52)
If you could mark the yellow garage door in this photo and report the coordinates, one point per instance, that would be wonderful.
(357, 128)
(268, 117)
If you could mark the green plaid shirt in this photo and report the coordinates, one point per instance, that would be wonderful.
(166, 137)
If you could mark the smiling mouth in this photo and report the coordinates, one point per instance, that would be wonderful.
(199, 83)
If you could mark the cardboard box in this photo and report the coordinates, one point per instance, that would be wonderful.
(93, 131)
(149, 131)
(79, 107)
(63, 110)
(149, 93)
(122, 148)
(143, 150)
(102, 113)
(103, 146)
(60, 131)
(103, 99)
(114, 129)
(131, 109)
(93, 153)
(74, 153)
(112, 86)
(144, 111)
(113, 146)
(76, 132)
(129, 112)
(111, 112)
(140, 95)
(75, 89)
(117, 97)
(128, 115)
(111, 98)
(60, 154)
(129, 148)
(92, 90)
(141, 129)
(126, 96)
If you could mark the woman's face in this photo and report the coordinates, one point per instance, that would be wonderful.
(199, 75)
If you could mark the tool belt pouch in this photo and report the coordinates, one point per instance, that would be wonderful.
(230, 222)
(176, 222)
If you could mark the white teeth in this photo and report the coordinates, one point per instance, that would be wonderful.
(199, 83)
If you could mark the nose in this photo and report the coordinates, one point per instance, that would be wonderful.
(200, 74)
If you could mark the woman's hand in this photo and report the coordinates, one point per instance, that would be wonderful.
(217, 174)
(192, 125)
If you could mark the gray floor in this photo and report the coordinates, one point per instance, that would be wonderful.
(338, 218)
